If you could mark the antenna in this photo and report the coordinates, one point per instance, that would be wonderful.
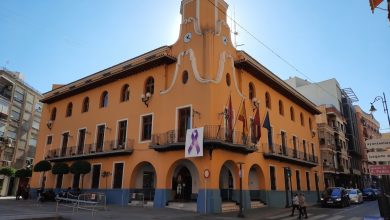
(235, 26)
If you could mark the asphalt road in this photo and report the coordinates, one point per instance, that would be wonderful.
(12, 209)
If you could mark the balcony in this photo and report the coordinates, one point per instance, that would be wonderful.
(106, 149)
(289, 155)
(214, 137)
(329, 168)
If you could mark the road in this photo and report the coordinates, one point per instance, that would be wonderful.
(30, 209)
(353, 212)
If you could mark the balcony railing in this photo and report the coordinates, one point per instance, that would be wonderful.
(290, 155)
(107, 148)
(213, 134)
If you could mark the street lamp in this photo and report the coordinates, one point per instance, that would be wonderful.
(240, 213)
(383, 99)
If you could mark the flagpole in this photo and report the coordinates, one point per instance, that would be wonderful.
(239, 109)
(223, 117)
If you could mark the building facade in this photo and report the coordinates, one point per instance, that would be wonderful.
(19, 123)
(341, 118)
(368, 128)
(130, 121)
(334, 146)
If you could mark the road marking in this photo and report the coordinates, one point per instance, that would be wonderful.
(336, 217)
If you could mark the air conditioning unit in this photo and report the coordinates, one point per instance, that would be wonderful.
(49, 124)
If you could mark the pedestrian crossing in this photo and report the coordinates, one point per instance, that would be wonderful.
(285, 216)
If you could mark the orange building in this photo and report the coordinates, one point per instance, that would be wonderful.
(130, 120)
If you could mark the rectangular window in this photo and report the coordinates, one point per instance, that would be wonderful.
(95, 176)
(122, 132)
(147, 128)
(272, 175)
(308, 181)
(118, 175)
(65, 137)
(76, 181)
(80, 144)
(184, 121)
(59, 181)
(295, 150)
(49, 140)
(284, 143)
(15, 114)
(100, 138)
(298, 176)
(304, 150)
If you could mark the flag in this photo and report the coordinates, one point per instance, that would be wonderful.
(267, 125)
(229, 120)
(374, 4)
(388, 9)
(257, 126)
(242, 117)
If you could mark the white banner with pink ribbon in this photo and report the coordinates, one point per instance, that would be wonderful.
(194, 142)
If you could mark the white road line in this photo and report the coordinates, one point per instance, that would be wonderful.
(336, 217)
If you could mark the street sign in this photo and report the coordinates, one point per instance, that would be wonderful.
(378, 143)
(379, 169)
(381, 156)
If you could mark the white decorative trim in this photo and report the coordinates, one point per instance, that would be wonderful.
(222, 59)
(197, 29)
(218, 26)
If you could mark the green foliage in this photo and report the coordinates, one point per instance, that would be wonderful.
(7, 171)
(60, 168)
(80, 167)
(23, 173)
(42, 166)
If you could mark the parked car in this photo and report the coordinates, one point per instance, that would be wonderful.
(355, 195)
(335, 196)
(369, 194)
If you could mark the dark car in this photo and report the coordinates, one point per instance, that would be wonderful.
(335, 196)
(369, 194)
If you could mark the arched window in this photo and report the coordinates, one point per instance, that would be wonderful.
(292, 114)
(281, 108)
(85, 106)
(69, 109)
(149, 86)
(267, 100)
(104, 100)
(125, 93)
(252, 92)
(228, 81)
(302, 119)
(53, 114)
(184, 77)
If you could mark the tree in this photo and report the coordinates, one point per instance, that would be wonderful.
(7, 171)
(60, 168)
(23, 173)
(42, 166)
(80, 167)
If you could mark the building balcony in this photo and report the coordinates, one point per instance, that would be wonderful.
(214, 137)
(278, 152)
(329, 168)
(88, 151)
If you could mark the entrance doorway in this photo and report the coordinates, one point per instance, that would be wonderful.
(182, 185)
(226, 184)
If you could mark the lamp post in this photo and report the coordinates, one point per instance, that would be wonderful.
(240, 213)
(383, 99)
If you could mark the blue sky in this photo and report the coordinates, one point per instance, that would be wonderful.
(61, 41)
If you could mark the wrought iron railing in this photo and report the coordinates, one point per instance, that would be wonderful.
(211, 133)
(89, 149)
(286, 152)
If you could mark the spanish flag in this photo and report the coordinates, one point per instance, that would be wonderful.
(242, 117)
(374, 4)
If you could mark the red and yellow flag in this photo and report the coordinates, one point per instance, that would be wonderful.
(374, 4)
(242, 117)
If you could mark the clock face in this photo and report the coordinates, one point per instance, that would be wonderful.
(187, 37)
(225, 40)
